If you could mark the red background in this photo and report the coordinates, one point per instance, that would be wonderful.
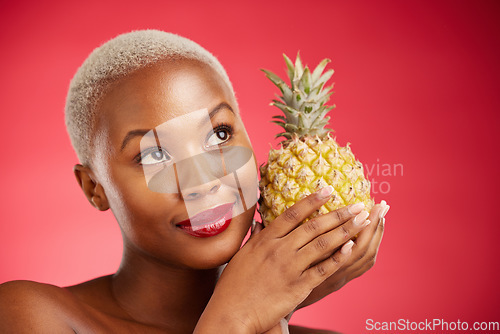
(416, 84)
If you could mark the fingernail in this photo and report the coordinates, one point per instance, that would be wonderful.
(356, 208)
(384, 203)
(254, 223)
(360, 218)
(367, 222)
(284, 326)
(384, 211)
(325, 192)
(347, 247)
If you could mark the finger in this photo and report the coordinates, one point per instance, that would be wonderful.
(317, 274)
(366, 235)
(256, 228)
(363, 239)
(370, 256)
(295, 214)
(284, 326)
(323, 224)
(322, 246)
(376, 241)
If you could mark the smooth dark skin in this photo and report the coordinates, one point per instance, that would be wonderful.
(166, 280)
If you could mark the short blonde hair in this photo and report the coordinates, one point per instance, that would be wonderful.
(116, 59)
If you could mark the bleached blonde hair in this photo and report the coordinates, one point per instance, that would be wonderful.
(117, 59)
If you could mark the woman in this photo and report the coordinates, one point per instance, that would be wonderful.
(155, 124)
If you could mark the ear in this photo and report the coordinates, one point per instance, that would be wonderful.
(91, 188)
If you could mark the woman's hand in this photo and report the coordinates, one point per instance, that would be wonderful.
(280, 328)
(364, 254)
(280, 266)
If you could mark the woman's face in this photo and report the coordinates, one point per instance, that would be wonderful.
(176, 164)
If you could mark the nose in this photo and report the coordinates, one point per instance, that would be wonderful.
(200, 175)
(201, 190)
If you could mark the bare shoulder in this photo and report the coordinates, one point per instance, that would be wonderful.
(15, 296)
(26, 306)
(304, 330)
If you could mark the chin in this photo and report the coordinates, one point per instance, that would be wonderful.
(215, 257)
(217, 250)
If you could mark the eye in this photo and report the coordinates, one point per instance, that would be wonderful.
(221, 134)
(154, 156)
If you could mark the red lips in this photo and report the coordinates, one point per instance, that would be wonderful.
(209, 222)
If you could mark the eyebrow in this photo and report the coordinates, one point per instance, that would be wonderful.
(218, 108)
(141, 132)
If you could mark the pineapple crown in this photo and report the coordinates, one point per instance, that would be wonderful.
(303, 102)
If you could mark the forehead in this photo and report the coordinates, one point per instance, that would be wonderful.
(159, 93)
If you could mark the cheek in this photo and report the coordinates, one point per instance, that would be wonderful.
(132, 202)
(248, 178)
(247, 174)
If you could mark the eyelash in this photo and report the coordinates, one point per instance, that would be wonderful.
(221, 126)
(138, 158)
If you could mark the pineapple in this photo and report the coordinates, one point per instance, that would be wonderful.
(309, 158)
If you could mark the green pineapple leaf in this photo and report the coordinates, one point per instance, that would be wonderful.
(299, 69)
(282, 124)
(284, 134)
(323, 99)
(301, 119)
(285, 90)
(316, 95)
(280, 99)
(318, 86)
(305, 81)
(303, 102)
(291, 128)
(319, 69)
(275, 79)
(290, 68)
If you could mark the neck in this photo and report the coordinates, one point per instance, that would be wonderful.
(154, 293)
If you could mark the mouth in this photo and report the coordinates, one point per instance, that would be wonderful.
(209, 222)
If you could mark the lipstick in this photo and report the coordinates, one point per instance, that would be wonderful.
(209, 222)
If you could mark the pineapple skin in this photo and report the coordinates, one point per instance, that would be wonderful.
(302, 166)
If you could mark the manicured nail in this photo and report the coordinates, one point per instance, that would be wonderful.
(254, 223)
(360, 218)
(325, 192)
(367, 222)
(384, 211)
(284, 326)
(347, 247)
(383, 203)
(356, 208)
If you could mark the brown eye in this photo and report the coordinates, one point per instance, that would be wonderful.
(221, 134)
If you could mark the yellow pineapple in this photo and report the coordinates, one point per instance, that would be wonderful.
(309, 158)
